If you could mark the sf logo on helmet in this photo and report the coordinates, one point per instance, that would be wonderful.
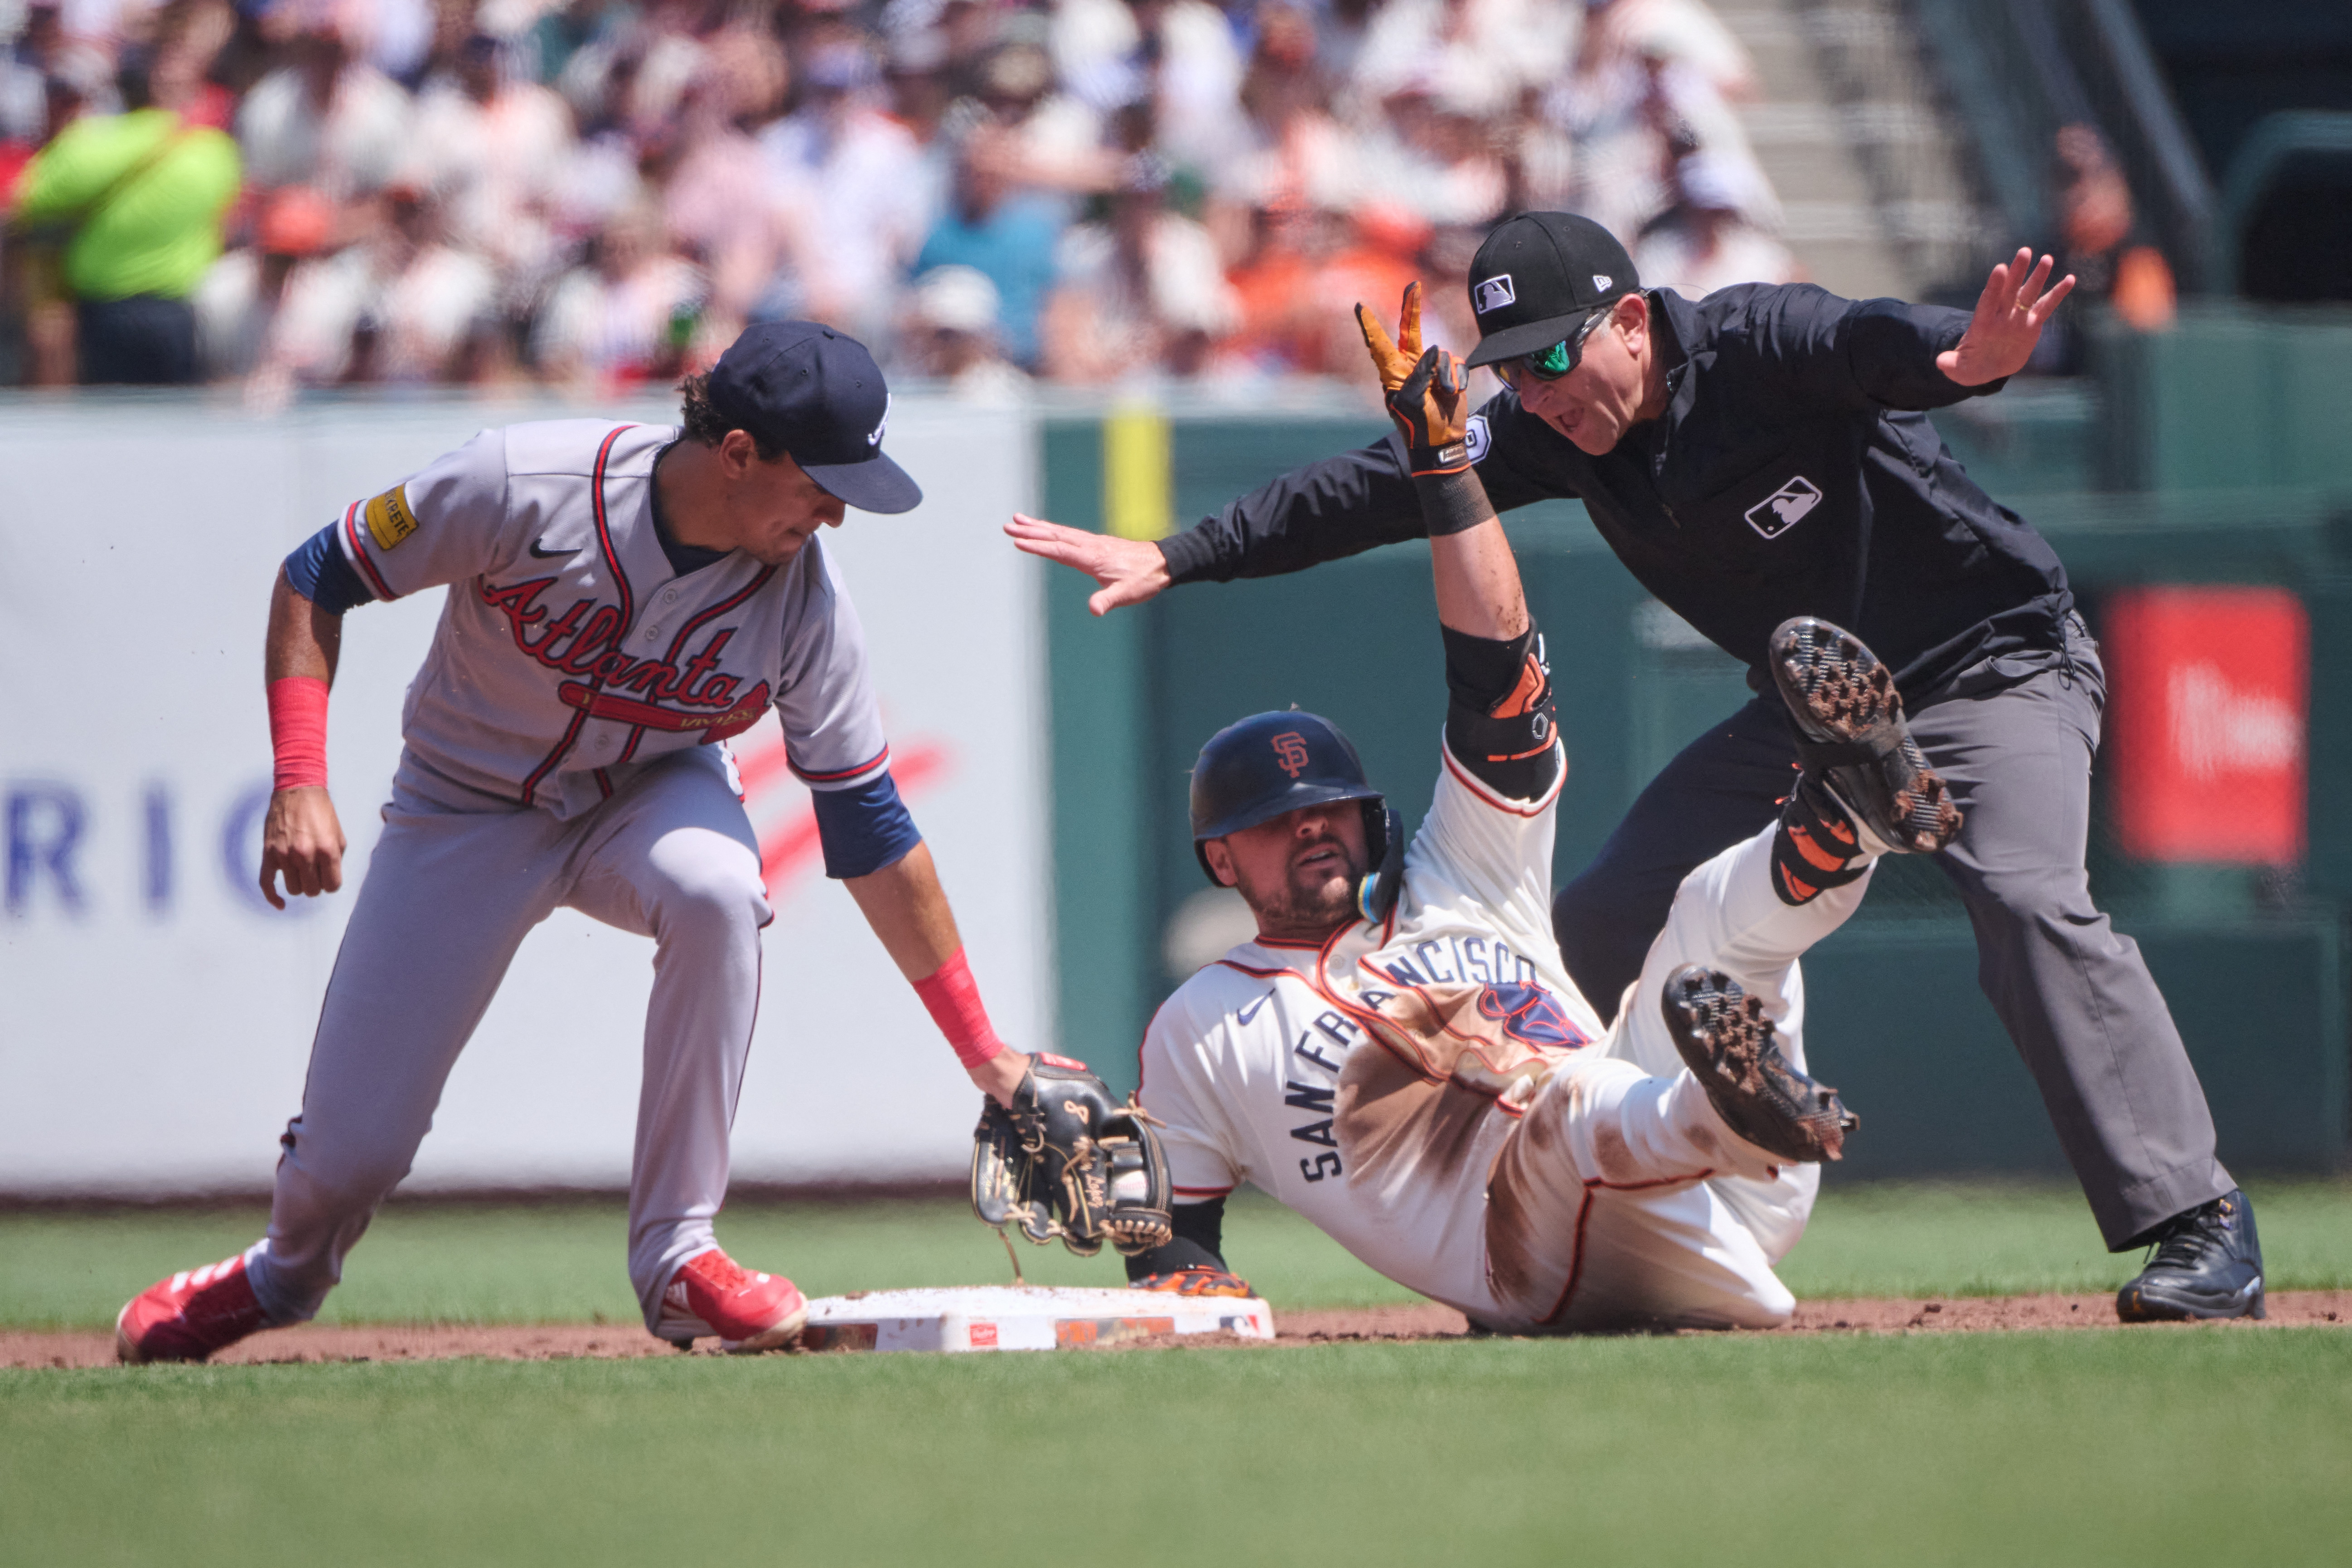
(1290, 752)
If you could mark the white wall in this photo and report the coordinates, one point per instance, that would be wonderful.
(155, 1014)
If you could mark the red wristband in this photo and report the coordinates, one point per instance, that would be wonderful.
(298, 731)
(953, 997)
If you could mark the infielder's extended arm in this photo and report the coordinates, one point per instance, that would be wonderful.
(908, 910)
(301, 838)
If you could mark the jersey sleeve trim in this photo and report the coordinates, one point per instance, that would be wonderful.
(359, 555)
(1203, 1194)
(1486, 795)
(845, 778)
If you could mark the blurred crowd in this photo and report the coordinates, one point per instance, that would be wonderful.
(293, 194)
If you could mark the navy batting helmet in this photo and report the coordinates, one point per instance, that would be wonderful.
(1269, 763)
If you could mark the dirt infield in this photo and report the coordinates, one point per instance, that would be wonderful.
(314, 1342)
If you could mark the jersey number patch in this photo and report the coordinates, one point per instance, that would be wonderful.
(389, 520)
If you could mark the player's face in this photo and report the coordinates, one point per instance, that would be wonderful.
(1297, 872)
(777, 508)
(1596, 402)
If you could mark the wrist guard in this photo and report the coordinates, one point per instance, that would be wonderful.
(1499, 720)
(1453, 501)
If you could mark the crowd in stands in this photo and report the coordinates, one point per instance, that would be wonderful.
(298, 194)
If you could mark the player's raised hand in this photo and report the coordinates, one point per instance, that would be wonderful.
(1129, 570)
(2015, 306)
(1394, 361)
(1430, 409)
(302, 841)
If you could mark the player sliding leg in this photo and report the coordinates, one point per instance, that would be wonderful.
(1720, 1008)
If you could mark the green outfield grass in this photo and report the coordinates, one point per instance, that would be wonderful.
(2138, 1447)
(2195, 1446)
(562, 1262)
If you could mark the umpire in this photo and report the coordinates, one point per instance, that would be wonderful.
(1763, 453)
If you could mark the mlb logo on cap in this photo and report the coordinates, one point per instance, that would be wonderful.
(1539, 277)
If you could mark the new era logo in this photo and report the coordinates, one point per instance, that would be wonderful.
(1494, 293)
(1784, 508)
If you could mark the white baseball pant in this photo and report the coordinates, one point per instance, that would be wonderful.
(1631, 1200)
(449, 897)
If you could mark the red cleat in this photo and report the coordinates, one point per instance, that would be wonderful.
(189, 1316)
(712, 1294)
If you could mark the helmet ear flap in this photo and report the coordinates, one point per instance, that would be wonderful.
(1384, 842)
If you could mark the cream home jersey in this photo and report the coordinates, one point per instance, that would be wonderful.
(570, 652)
(1368, 1082)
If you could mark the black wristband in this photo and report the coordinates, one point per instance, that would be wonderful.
(1452, 503)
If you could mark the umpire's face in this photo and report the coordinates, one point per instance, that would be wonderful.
(1595, 404)
(1298, 871)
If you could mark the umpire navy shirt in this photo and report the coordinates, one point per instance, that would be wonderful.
(1794, 472)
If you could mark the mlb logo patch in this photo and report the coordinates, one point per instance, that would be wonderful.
(1785, 507)
(1494, 293)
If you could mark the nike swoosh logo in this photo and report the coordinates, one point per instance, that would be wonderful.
(1246, 1014)
(546, 554)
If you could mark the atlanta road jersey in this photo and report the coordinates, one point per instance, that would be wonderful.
(1368, 1082)
(570, 652)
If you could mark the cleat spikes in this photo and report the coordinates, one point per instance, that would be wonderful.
(1724, 1037)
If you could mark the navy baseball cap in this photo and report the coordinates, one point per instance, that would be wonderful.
(1537, 278)
(820, 396)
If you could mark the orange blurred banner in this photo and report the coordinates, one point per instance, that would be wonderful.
(2210, 693)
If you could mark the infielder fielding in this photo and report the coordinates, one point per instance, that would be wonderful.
(1401, 1057)
(622, 599)
(1762, 454)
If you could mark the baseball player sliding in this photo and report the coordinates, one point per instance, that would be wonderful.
(1400, 1055)
(622, 598)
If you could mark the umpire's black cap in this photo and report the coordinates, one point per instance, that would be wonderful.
(1268, 764)
(1536, 279)
(820, 396)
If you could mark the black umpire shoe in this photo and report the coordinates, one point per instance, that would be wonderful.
(2208, 1264)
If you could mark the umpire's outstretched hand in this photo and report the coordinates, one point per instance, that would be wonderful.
(1129, 570)
(2009, 316)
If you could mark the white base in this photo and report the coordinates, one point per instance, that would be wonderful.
(1021, 1318)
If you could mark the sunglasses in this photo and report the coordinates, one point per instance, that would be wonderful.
(1555, 362)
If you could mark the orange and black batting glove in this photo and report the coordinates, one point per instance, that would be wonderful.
(1424, 390)
(1197, 1281)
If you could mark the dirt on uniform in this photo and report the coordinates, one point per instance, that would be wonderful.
(1426, 1321)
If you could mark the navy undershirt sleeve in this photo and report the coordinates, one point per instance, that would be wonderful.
(863, 829)
(320, 574)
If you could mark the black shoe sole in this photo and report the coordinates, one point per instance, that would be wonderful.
(1727, 1043)
(1840, 695)
(2136, 1303)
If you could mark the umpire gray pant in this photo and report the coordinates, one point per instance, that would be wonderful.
(2014, 737)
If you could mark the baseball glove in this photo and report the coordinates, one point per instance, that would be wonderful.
(1069, 1161)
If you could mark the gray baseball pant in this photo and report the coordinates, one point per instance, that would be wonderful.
(2014, 736)
(449, 896)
